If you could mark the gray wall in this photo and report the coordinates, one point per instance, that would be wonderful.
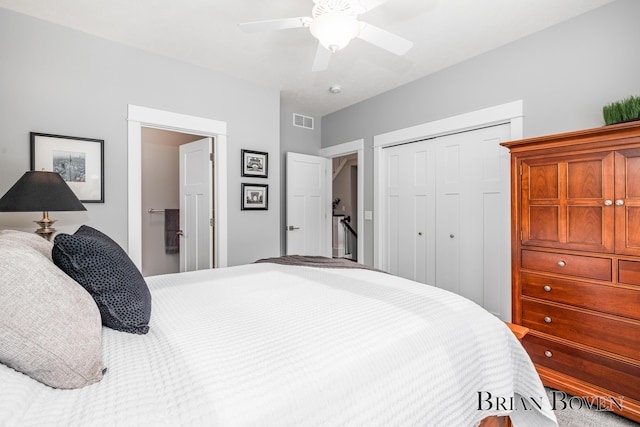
(297, 140)
(61, 81)
(564, 75)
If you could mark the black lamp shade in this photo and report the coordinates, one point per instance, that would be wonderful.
(40, 191)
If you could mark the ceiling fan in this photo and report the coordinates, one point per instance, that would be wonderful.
(335, 23)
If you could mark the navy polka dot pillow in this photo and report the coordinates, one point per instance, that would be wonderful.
(103, 268)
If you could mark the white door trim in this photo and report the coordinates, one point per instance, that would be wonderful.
(511, 113)
(139, 117)
(344, 149)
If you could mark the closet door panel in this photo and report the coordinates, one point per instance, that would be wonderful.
(421, 237)
(448, 243)
(393, 234)
(448, 213)
(409, 209)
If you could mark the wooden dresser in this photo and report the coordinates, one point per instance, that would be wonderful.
(576, 260)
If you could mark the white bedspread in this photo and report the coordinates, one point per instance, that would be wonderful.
(271, 345)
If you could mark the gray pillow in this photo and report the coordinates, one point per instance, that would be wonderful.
(50, 326)
(33, 240)
(104, 269)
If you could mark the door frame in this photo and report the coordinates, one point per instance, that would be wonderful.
(139, 117)
(344, 149)
(509, 113)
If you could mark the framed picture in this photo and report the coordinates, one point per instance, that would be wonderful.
(79, 161)
(255, 197)
(254, 164)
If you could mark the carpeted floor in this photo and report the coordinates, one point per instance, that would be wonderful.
(576, 416)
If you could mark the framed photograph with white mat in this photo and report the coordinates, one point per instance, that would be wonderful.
(255, 164)
(79, 161)
(255, 197)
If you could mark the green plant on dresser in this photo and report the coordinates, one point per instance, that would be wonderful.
(626, 110)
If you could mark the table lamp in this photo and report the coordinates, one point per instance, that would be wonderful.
(41, 191)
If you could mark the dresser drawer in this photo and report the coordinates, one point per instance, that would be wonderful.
(603, 298)
(591, 367)
(572, 265)
(609, 334)
(629, 272)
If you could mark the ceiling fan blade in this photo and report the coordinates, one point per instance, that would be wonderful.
(275, 24)
(384, 39)
(367, 5)
(321, 60)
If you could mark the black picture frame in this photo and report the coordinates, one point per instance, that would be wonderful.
(255, 164)
(254, 197)
(80, 162)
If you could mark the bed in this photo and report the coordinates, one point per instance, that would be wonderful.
(268, 344)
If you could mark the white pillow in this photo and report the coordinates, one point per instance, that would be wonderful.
(50, 327)
(33, 240)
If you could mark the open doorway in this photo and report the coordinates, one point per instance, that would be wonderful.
(345, 207)
(354, 194)
(161, 199)
(140, 117)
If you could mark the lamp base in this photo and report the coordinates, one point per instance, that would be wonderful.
(46, 230)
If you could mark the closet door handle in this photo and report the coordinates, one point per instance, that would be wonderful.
(608, 202)
(619, 202)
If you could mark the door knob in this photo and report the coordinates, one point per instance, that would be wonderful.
(608, 202)
(619, 202)
(180, 233)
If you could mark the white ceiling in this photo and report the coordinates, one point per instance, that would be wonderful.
(206, 33)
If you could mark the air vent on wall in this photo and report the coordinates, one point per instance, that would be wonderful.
(302, 121)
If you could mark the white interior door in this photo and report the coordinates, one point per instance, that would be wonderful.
(410, 211)
(196, 205)
(308, 205)
(445, 203)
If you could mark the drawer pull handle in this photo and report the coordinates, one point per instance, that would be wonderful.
(548, 353)
(547, 288)
(547, 319)
(561, 263)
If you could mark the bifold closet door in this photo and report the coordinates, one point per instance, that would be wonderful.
(447, 213)
(410, 211)
(472, 217)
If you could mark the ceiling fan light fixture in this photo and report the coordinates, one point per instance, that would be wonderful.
(334, 30)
